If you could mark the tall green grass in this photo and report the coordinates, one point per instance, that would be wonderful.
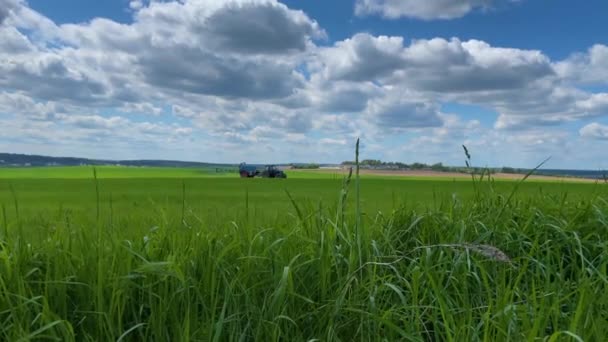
(494, 267)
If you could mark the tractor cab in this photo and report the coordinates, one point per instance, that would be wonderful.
(248, 171)
(271, 171)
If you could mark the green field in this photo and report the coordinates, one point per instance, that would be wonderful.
(86, 172)
(194, 254)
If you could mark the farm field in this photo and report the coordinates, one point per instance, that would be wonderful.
(41, 192)
(86, 172)
(442, 175)
(187, 254)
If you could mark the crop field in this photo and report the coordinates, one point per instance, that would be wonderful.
(161, 254)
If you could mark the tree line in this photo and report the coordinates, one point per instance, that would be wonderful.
(375, 163)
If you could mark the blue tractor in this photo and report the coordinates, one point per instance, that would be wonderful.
(269, 171)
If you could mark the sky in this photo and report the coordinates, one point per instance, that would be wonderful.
(268, 81)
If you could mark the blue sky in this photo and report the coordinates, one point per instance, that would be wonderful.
(281, 81)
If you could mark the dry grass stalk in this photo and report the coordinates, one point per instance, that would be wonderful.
(487, 251)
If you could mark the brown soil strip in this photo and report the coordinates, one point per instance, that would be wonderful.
(431, 174)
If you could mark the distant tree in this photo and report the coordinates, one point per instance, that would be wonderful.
(305, 166)
(418, 166)
(371, 162)
(398, 165)
(438, 167)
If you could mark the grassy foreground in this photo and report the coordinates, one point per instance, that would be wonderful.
(79, 265)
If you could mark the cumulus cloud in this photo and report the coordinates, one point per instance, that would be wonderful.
(228, 49)
(590, 67)
(23, 17)
(594, 131)
(521, 85)
(141, 108)
(427, 9)
(136, 4)
(546, 106)
(473, 66)
(244, 71)
(341, 97)
(90, 131)
(453, 131)
(14, 42)
(441, 143)
(399, 111)
(48, 76)
(259, 28)
(361, 58)
(6, 7)
(181, 70)
(594, 103)
(531, 140)
(93, 121)
(176, 46)
(11, 103)
(434, 65)
(172, 51)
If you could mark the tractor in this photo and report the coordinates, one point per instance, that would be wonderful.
(269, 171)
(248, 171)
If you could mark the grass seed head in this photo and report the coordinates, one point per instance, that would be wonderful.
(489, 252)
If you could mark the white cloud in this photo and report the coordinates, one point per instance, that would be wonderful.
(433, 65)
(331, 141)
(595, 131)
(136, 4)
(14, 42)
(535, 138)
(473, 66)
(258, 28)
(183, 112)
(452, 133)
(594, 104)
(586, 68)
(21, 16)
(11, 103)
(340, 96)
(88, 130)
(361, 58)
(141, 108)
(50, 76)
(398, 111)
(6, 8)
(545, 106)
(419, 9)
(488, 147)
(521, 85)
(171, 46)
(93, 121)
(248, 72)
